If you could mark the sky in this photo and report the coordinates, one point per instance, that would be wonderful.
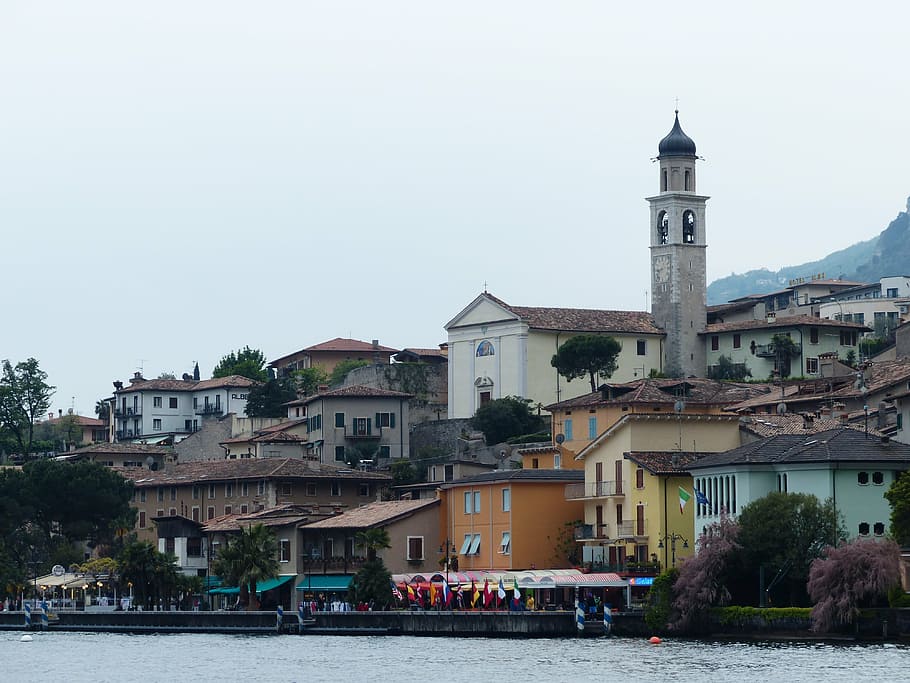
(181, 179)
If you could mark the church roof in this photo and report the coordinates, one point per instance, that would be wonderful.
(676, 143)
(581, 319)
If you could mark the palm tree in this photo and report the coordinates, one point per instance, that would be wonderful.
(249, 559)
(102, 409)
(373, 540)
(371, 583)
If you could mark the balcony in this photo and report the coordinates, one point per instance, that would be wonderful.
(209, 409)
(608, 533)
(595, 489)
(125, 434)
(134, 411)
(768, 351)
(356, 434)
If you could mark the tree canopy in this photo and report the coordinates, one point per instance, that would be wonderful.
(308, 380)
(785, 532)
(727, 370)
(246, 362)
(371, 584)
(898, 495)
(785, 350)
(852, 576)
(340, 371)
(587, 355)
(268, 399)
(247, 560)
(25, 396)
(49, 510)
(504, 418)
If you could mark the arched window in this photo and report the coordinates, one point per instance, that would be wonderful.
(485, 348)
(687, 183)
(688, 222)
(663, 227)
(663, 180)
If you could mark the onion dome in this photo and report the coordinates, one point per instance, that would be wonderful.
(677, 143)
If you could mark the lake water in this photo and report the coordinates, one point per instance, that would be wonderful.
(102, 657)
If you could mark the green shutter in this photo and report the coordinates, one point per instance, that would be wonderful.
(378, 421)
(391, 420)
(369, 426)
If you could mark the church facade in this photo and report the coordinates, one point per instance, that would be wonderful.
(496, 349)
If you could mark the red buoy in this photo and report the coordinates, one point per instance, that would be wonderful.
(654, 640)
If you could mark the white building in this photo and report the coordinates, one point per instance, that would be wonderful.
(157, 410)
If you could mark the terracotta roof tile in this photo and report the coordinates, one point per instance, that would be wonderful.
(774, 425)
(778, 322)
(354, 345)
(582, 319)
(188, 385)
(373, 514)
(252, 468)
(517, 476)
(122, 449)
(664, 462)
(693, 391)
(353, 391)
(80, 420)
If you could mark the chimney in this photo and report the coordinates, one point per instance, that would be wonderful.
(807, 421)
(771, 317)
(376, 356)
(50, 416)
(59, 412)
(825, 411)
(322, 388)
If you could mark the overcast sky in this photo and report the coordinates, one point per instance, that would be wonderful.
(181, 179)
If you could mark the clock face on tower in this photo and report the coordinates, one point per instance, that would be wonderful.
(661, 268)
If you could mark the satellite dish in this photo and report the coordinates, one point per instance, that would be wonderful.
(781, 408)
(679, 406)
(149, 461)
(560, 438)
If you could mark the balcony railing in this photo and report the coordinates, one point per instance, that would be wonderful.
(612, 531)
(209, 409)
(355, 433)
(595, 489)
(128, 412)
(768, 350)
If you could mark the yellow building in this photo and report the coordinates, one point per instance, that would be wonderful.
(581, 420)
(631, 491)
(511, 519)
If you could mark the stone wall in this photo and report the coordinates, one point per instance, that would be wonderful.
(429, 384)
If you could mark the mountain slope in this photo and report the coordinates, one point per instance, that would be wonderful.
(887, 254)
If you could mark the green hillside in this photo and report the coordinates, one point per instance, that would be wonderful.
(887, 254)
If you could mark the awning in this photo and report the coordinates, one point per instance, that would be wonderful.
(326, 582)
(260, 587)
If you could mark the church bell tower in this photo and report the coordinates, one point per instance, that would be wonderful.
(678, 271)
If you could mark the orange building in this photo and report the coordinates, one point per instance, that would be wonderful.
(511, 519)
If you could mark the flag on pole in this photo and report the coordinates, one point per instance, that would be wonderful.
(684, 497)
(487, 593)
(701, 498)
(396, 593)
(432, 593)
(501, 593)
(475, 594)
(446, 594)
(515, 592)
(412, 596)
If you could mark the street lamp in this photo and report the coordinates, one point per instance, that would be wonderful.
(673, 538)
(451, 559)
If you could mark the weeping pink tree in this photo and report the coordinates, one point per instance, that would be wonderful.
(850, 577)
(701, 578)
